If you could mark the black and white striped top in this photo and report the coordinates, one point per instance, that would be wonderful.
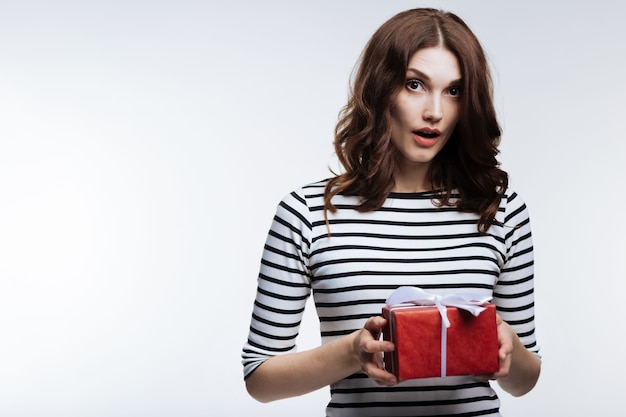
(408, 241)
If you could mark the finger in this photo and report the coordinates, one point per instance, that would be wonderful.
(379, 375)
(377, 346)
(375, 325)
(505, 353)
(505, 365)
(377, 358)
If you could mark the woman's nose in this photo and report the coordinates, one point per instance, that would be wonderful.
(433, 111)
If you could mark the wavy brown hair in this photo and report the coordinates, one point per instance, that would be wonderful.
(467, 163)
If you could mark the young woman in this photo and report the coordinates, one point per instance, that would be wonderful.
(422, 203)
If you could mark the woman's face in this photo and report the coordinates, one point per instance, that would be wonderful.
(426, 109)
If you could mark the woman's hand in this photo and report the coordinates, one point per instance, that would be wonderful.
(519, 368)
(369, 350)
(506, 337)
(298, 373)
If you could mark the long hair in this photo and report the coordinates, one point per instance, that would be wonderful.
(466, 164)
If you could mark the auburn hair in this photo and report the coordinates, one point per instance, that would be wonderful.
(466, 165)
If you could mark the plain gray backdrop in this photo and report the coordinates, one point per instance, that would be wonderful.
(144, 146)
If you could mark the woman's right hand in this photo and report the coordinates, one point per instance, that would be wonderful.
(298, 373)
(369, 349)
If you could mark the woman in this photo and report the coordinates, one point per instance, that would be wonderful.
(422, 203)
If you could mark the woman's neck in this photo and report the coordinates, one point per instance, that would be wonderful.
(412, 179)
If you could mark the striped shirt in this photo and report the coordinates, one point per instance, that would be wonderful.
(408, 241)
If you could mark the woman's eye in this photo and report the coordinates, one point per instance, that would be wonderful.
(414, 85)
(455, 91)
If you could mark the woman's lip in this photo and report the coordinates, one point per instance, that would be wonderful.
(426, 141)
(427, 132)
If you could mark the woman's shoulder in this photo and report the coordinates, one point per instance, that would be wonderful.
(308, 196)
(302, 205)
(513, 198)
(512, 205)
(312, 190)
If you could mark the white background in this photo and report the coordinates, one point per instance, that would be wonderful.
(144, 146)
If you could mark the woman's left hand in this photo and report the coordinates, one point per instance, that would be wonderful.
(506, 337)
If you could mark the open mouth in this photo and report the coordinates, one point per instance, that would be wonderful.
(427, 133)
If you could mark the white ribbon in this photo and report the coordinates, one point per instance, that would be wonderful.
(474, 303)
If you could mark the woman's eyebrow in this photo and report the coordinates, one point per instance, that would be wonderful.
(425, 77)
(419, 74)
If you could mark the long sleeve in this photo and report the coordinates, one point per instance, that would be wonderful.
(514, 290)
(283, 285)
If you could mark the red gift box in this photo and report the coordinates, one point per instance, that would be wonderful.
(471, 342)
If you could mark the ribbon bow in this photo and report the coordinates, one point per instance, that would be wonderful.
(474, 303)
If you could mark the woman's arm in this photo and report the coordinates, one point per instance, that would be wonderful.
(514, 297)
(520, 368)
(298, 373)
